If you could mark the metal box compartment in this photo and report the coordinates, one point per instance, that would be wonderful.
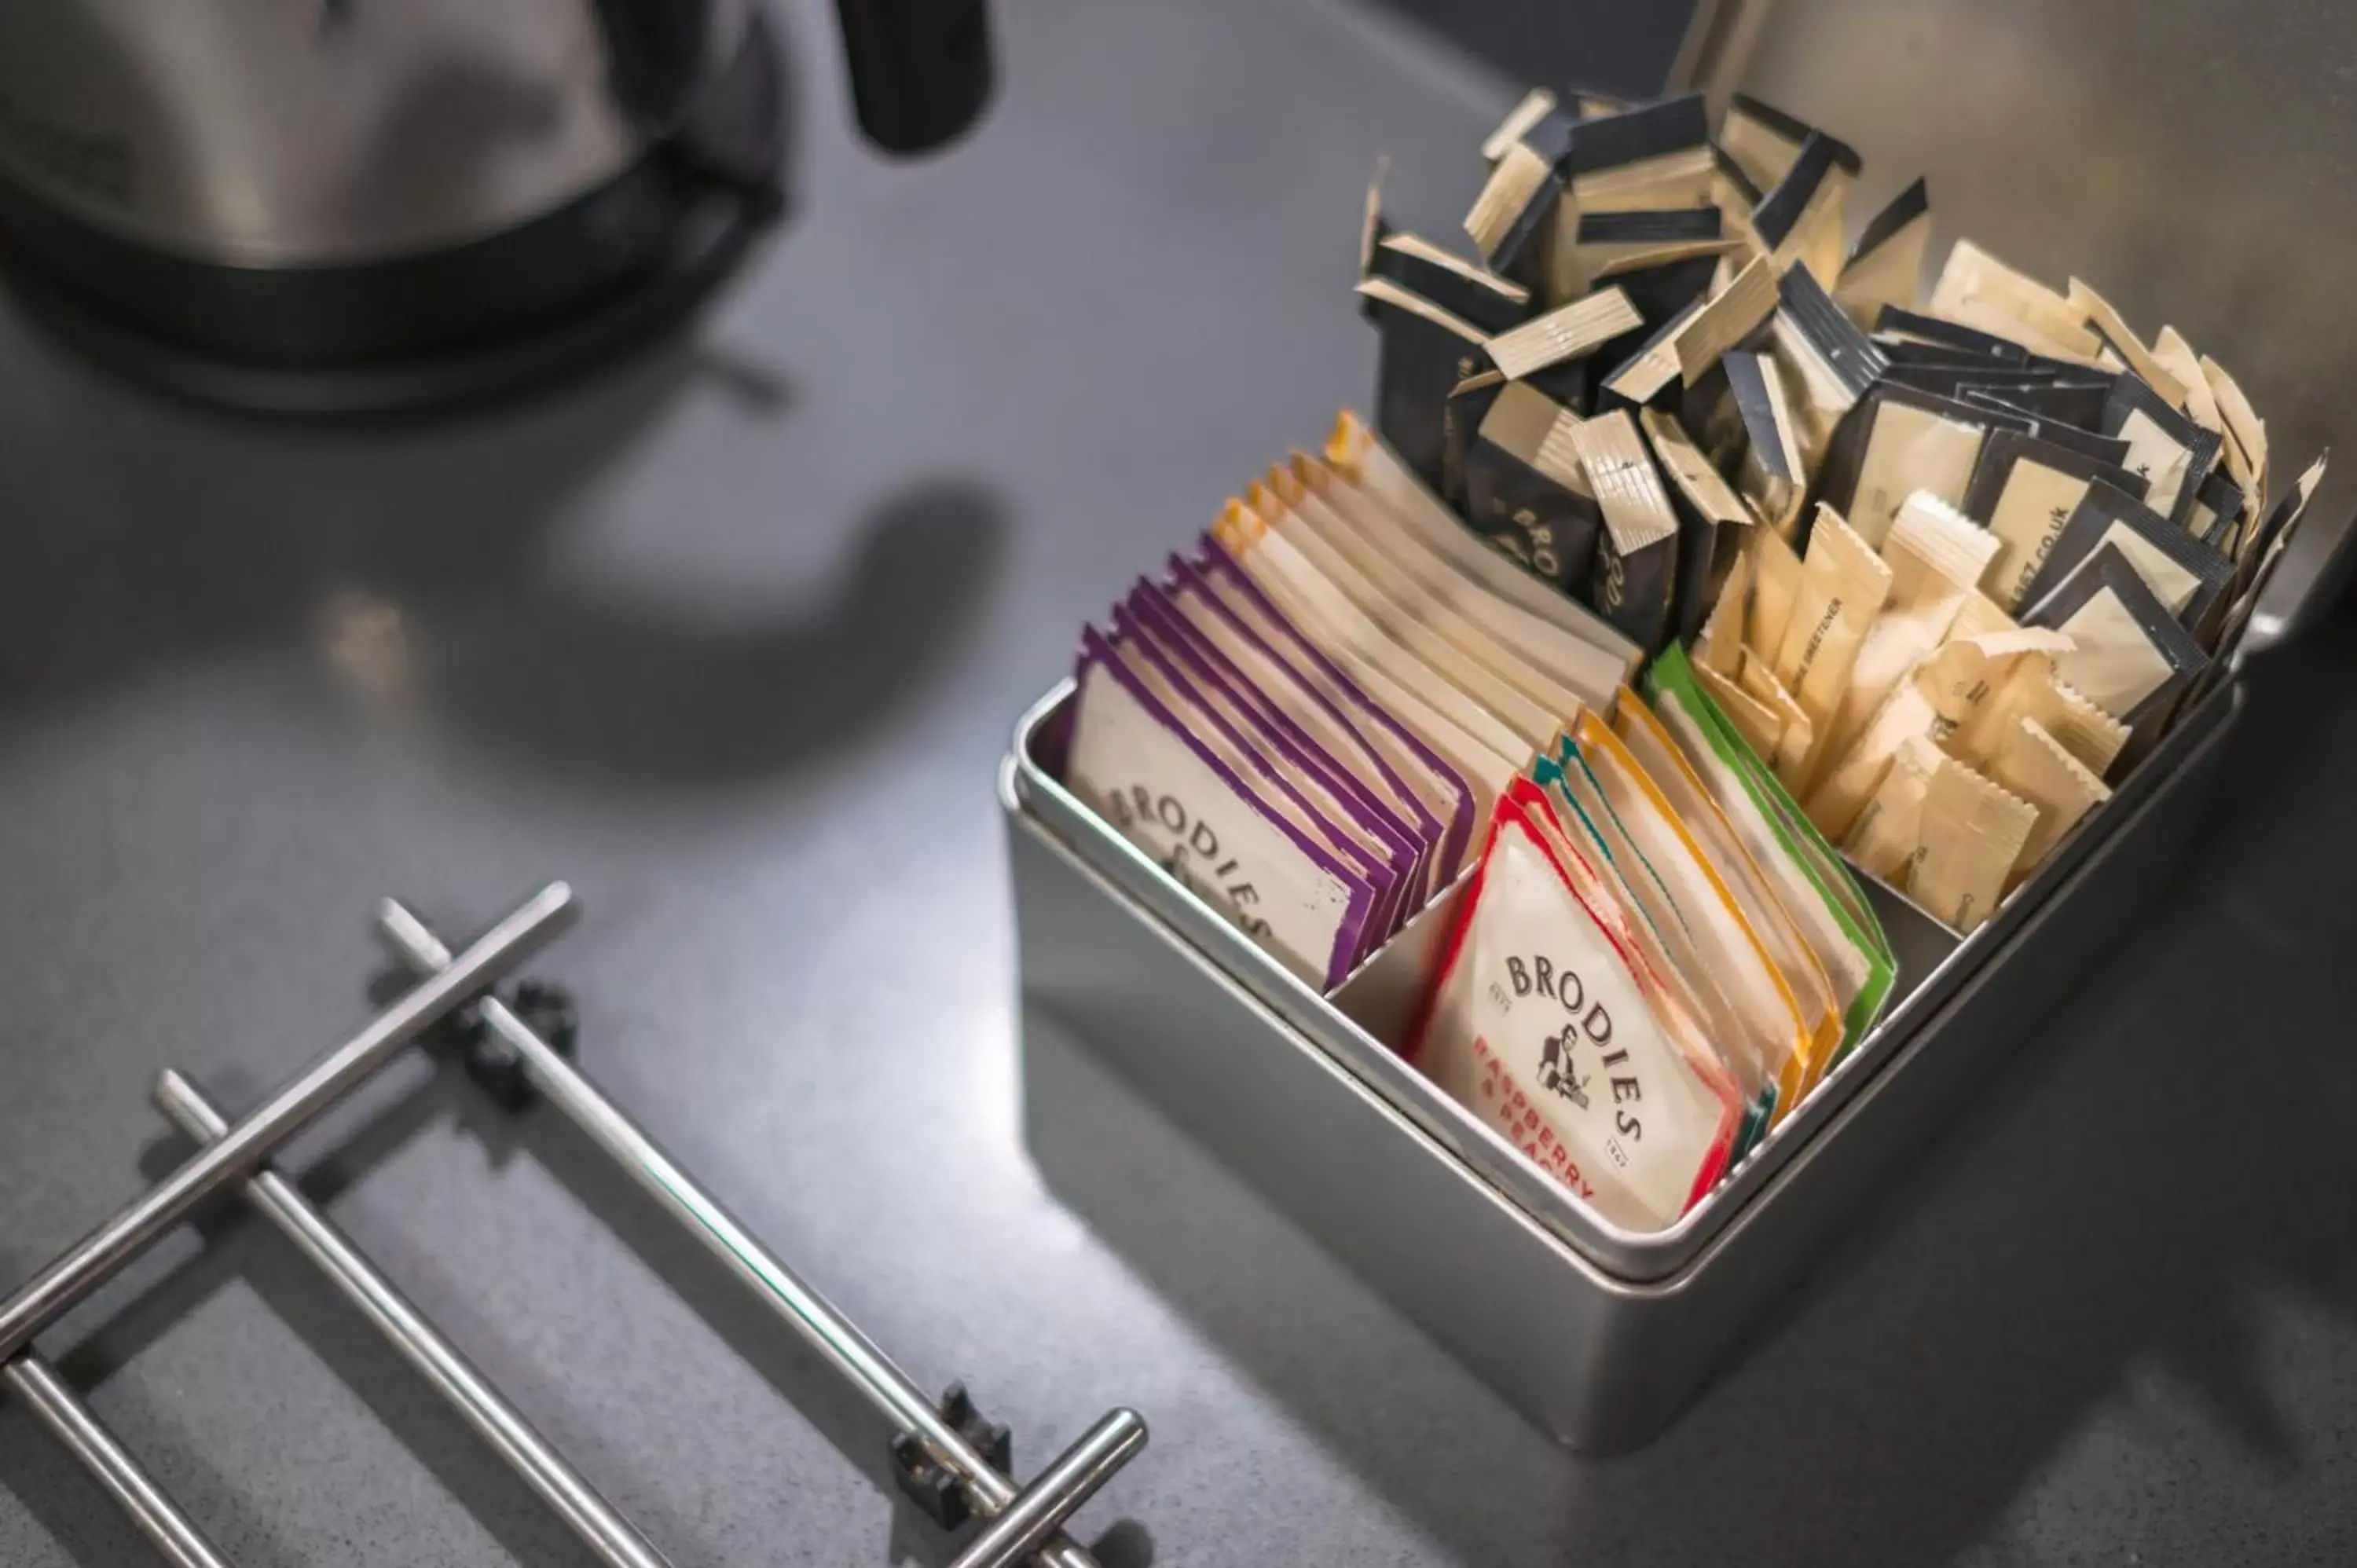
(1599, 1336)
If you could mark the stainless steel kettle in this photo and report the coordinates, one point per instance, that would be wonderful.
(359, 205)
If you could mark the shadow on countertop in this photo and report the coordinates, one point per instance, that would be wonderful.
(225, 537)
(2170, 1148)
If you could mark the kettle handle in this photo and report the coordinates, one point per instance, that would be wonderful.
(921, 70)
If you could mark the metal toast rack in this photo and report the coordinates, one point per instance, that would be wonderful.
(954, 1463)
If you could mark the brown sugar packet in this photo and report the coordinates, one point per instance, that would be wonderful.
(1972, 832)
(1425, 352)
(2132, 658)
(2024, 491)
(2113, 332)
(1525, 490)
(2020, 402)
(2035, 767)
(1652, 369)
(2189, 576)
(1634, 579)
(1569, 332)
(2216, 516)
(1900, 441)
(1978, 290)
(1886, 266)
(1726, 321)
(1712, 521)
(2170, 450)
(1896, 325)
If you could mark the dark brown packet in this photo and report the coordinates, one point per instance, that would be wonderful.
(1932, 329)
(1772, 475)
(1764, 141)
(1663, 293)
(2079, 405)
(1649, 371)
(1712, 521)
(2164, 425)
(1616, 141)
(1462, 414)
(1778, 219)
(1512, 223)
(1886, 266)
(1426, 353)
(2107, 570)
(2024, 490)
(1526, 492)
(1462, 288)
(2200, 575)
(1633, 581)
(2081, 439)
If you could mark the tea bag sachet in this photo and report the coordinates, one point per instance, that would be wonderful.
(1544, 1025)
(1764, 141)
(1569, 646)
(1415, 518)
(1775, 1034)
(1634, 577)
(1651, 368)
(2024, 491)
(1936, 554)
(1844, 586)
(2188, 576)
(1806, 876)
(1339, 625)
(1528, 110)
(1525, 491)
(1565, 798)
(1788, 951)
(1448, 643)
(1299, 791)
(2114, 333)
(1886, 266)
(1306, 687)
(1209, 826)
(1337, 518)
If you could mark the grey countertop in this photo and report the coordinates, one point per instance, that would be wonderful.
(732, 639)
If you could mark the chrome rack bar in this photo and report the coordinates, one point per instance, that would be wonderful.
(589, 1516)
(154, 1514)
(941, 1449)
(107, 1250)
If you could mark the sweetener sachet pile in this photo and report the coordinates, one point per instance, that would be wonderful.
(1695, 561)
